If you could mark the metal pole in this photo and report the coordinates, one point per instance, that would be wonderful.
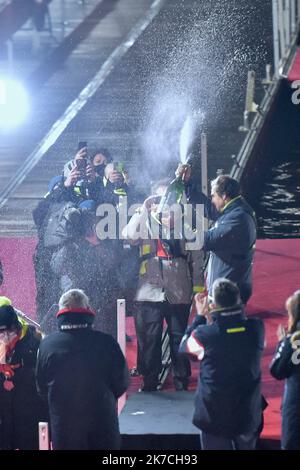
(249, 106)
(281, 29)
(287, 19)
(204, 179)
(121, 324)
(204, 164)
(276, 38)
(298, 11)
(121, 337)
(268, 73)
(293, 16)
(63, 21)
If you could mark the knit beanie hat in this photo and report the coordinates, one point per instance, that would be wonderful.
(75, 316)
(8, 316)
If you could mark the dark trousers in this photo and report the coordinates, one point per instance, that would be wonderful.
(149, 318)
(212, 442)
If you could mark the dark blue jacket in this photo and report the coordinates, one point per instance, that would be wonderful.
(228, 397)
(231, 243)
(283, 367)
(82, 372)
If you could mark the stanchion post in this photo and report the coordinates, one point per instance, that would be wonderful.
(44, 436)
(293, 16)
(121, 337)
(204, 179)
(281, 23)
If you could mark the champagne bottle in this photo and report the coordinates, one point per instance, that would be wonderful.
(121, 187)
(172, 195)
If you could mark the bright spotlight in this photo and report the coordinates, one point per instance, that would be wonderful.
(14, 103)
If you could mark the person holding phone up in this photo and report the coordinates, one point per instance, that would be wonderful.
(82, 170)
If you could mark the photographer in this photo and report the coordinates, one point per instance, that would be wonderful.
(80, 179)
(47, 216)
(117, 183)
(100, 157)
(85, 262)
(86, 175)
(74, 262)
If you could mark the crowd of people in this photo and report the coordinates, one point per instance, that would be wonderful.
(80, 275)
(69, 253)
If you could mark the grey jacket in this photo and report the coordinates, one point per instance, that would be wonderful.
(174, 279)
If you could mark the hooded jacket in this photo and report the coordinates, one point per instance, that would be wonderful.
(82, 372)
(20, 407)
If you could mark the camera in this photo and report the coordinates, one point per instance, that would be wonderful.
(81, 164)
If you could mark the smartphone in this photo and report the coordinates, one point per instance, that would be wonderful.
(119, 166)
(81, 164)
(81, 145)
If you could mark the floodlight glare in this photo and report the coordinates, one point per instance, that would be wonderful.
(14, 104)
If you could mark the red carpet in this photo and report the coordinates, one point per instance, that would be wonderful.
(19, 281)
(294, 73)
(276, 276)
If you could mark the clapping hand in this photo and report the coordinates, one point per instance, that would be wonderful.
(281, 333)
(201, 303)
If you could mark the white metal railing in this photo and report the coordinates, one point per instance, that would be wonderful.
(286, 26)
(286, 23)
(121, 338)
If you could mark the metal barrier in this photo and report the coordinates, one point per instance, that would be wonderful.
(121, 338)
(286, 26)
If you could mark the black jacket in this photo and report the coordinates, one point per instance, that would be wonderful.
(94, 268)
(231, 243)
(286, 365)
(21, 408)
(228, 398)
(77, 266)
(82, 372)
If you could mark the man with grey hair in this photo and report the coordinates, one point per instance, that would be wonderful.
(228, 405)
(231, 241)
(82, 372)
(74, 298)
